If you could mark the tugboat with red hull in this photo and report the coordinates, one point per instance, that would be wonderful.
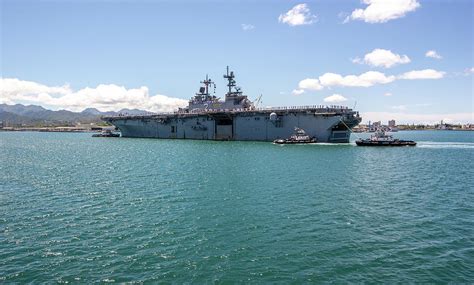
(380, 138)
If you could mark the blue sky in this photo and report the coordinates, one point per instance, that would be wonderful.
(53, 50)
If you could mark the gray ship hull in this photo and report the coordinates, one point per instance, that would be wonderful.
(326, 124)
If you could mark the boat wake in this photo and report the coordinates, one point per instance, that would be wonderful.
(430, 144)
(335, 144)
(319, 144)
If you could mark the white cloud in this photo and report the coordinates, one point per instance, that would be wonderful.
(408, 118)
(297, 92)
(310, 84)
(466, 72)
(22, 89)
(388, 94)
(383, 57)
(423, 104)
(335, 98)
(247, 27)
(342, 15)
(433, 54)
(422, 74)
(331, 79)
(381, 11)
(366, 79)
(298, 15)
(105, 97)
(358, 60)
(400, 107)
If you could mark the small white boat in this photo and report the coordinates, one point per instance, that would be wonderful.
(299, 137)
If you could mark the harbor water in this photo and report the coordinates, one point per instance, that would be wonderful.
(79, 209)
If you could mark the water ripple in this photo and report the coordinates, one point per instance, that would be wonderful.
(76, 209)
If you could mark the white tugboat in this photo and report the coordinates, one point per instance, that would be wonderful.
(380, 138)
(299, 137)
(106, 134)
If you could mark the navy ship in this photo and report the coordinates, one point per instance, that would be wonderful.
(207, 117)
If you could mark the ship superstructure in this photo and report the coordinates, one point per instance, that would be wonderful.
(237, 118)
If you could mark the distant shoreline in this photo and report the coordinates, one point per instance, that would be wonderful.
(49, 130)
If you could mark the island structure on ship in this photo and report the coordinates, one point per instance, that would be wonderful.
(237, 118)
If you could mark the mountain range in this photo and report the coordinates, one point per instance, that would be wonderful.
(32, 115)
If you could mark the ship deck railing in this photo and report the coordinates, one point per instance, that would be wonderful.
(317, 108)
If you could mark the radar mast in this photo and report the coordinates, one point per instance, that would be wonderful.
(231, 83)
(205, 90)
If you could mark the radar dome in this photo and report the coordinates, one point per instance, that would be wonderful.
(273, 116)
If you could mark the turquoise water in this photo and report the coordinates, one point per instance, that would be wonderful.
(80, 209)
